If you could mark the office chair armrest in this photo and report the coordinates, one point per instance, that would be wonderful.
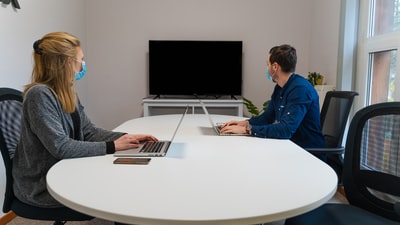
(339, 150)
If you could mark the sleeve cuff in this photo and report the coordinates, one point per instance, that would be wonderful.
(110, 147)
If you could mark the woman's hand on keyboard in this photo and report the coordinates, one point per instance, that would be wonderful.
(128, 141)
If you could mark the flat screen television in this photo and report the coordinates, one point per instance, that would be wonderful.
(195, 68)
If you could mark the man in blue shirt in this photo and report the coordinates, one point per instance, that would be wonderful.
(293, 112)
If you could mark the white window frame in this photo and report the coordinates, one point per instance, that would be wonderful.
(367, 45)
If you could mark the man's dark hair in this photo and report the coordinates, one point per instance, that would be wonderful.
(285, 56)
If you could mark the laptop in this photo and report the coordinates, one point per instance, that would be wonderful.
(217, 126)
(150, 148)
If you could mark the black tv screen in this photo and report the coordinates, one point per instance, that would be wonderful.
(193, 68)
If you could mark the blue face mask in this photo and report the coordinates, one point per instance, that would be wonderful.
(269, 77)
(81, 74)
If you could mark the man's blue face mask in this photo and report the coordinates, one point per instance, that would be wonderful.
(269, 77)
(81, 74)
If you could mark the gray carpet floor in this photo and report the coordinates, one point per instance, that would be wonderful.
(337, 198)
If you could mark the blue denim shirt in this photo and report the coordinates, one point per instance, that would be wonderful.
(293, 113)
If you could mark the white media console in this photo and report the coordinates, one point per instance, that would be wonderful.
(223, 106)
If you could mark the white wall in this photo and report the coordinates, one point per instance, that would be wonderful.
(20, 28)
(118, 33)
(324, 39)
(114, 35)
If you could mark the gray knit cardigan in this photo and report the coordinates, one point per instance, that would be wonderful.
(47, 137)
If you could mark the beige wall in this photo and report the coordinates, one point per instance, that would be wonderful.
(115, 35)
(117, 43)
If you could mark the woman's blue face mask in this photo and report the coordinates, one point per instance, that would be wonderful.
(81, 74)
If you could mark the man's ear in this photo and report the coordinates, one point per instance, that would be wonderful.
(275, 66)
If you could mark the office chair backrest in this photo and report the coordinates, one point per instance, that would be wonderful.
(371, 171)
(334, 115)
(10, 121)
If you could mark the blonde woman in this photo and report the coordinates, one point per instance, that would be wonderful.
(54, 124)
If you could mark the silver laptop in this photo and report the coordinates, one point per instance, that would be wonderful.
(150, 148)
(217, 126)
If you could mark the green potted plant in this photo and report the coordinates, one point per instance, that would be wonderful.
(253, 110)
(315, 78)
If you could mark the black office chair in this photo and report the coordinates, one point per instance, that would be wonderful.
(10, 121)
(371, 172)
(334, 116)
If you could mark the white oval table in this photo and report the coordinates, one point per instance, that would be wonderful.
(204, 179)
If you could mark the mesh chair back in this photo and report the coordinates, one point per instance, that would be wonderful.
(371, 172)
(10, 122)
(334, 115)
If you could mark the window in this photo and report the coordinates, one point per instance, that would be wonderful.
(377, 66)
(378, 75)
(381, 72)
(384, 17)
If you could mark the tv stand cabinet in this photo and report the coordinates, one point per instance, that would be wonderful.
(223, 106)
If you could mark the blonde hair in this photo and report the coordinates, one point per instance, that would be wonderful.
(51, 67)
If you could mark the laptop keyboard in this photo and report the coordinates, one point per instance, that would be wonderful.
(152, 147)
